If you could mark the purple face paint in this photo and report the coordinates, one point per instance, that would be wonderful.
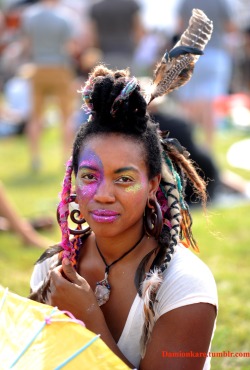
(91, 168)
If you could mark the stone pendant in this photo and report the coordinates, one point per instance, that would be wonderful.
(102, 291)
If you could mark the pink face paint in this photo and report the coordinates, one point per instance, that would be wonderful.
(89, 165)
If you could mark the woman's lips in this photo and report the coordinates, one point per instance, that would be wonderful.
(104, 215)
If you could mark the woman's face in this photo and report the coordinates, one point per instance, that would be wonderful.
(112, 184)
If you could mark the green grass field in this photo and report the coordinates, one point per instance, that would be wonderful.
(223, 237)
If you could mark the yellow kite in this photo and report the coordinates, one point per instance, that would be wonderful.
(34, 336)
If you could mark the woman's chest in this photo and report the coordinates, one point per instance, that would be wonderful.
(121, 296)
(117, 309)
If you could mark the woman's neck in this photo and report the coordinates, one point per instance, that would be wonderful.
(113, 247)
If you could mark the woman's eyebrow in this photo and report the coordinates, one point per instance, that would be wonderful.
(87, 167)
(124, 169)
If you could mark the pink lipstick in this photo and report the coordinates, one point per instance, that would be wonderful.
(104, 215)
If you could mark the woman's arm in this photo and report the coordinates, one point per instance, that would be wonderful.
(180, 333)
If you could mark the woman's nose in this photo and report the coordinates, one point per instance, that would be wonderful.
(105, 192)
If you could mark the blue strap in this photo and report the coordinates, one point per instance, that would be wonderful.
(77, 352)
(30, 341)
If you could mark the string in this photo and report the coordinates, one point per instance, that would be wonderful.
(118, 259)
(77, 352)
(71, 318)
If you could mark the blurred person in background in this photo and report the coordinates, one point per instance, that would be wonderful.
(212, 73)
(10, 47)
(223, 186)
(149, 50)
(241, 76)
(181, 129)
(11, 220)
(50, 40)
(117, 29)
(2, 43)
(159, 20)
(79, 11)
(15, 107)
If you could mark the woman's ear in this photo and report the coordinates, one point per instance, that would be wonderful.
(154, 185)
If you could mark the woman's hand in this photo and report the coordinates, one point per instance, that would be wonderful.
(71, 292)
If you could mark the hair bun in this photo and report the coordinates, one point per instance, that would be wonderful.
(100, 70)
(115, 100)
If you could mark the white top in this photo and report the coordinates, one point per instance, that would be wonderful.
(187, 280)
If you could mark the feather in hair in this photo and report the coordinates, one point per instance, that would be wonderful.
(149, 290)
(176, 67)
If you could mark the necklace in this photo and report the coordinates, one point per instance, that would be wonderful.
(103, 288)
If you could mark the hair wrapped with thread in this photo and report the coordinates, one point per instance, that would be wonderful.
(117, 105)
(63, 210)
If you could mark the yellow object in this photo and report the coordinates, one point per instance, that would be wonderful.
(32, 337)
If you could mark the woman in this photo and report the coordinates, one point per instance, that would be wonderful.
(134, 281)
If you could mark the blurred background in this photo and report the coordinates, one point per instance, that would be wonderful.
(47, 49)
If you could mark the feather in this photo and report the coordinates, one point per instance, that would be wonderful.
(42, 294)
(176, 67)
(149, 290)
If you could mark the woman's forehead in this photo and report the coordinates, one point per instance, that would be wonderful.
(112, 142)
(112, 148)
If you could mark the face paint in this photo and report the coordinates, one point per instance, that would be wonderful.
(91, 168)
(134, 188)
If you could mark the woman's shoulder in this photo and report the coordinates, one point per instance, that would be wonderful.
(186, 280)
(186, 262)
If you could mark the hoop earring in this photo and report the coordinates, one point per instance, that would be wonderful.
(74, 216)
(153, 219)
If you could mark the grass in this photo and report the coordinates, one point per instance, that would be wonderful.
(224, 237)
(33, 195)
(225, 248)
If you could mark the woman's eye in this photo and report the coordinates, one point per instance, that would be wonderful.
(124, 179)
(88, 177)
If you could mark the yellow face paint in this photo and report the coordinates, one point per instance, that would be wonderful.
(134, 188)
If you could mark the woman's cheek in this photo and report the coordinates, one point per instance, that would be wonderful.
(134, 189)
(84, 192)
(137, 193)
